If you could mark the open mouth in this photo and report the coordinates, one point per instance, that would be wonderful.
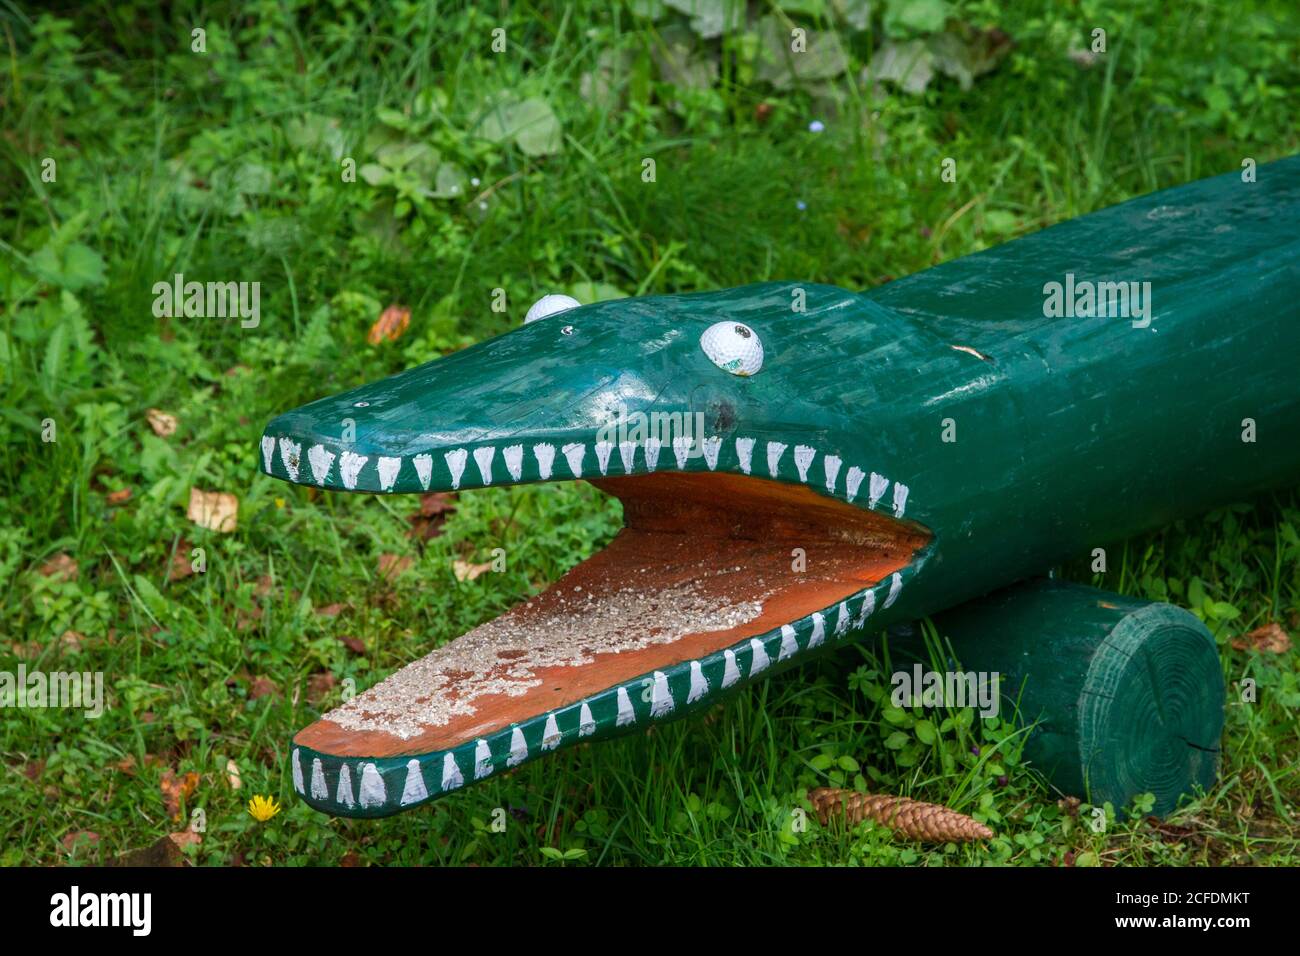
(718, 577)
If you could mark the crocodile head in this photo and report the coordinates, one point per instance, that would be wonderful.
(766, 517)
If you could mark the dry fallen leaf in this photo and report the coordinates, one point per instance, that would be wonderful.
(61, 566)
(244, 620)
(1269, 639)
(434, 510)
(331, 610)
(72, 641)
(262, 687)
(181, 564)
(175, 789)
(468, 572)
(163, 425)
(436, 502)
(214, 510)
(88, 838)
(232, 775)
(319, 686)
(391, 565)
(392, 322)
(353, 644)
(165, 852)
(184, 838)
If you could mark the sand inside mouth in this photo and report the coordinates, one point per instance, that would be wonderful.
(704, 561)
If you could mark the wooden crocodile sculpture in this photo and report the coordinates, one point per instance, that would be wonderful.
(923, 443)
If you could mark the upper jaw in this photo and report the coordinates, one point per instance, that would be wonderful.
(594, 452)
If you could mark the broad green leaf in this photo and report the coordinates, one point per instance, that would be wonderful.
(897, 740)
(537, 131)
(450, 182)
(375, 174)
(910, 17)
(711, 18)
(823, 58)
(910, 65)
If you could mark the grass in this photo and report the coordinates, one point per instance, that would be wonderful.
(228, 164)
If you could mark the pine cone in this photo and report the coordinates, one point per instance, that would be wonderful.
(913, 819)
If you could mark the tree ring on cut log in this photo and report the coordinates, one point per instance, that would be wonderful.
(1151, 709)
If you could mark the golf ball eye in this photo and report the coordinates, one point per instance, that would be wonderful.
(733, 347)
(549, 305)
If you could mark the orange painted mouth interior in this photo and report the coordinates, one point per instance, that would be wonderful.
(724, 551)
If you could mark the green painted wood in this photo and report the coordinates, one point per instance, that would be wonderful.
(1126, 696)
(1071, 432)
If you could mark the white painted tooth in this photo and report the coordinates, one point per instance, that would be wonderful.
(652, 446)
(711, 448)
(854, 481)
(518, 748)
(550, 733)
(573, 454)
(414, 791)
(321, 461)
(877, 489)
(343, 794)
(350, 465)
(514, 456)
(774, 452)
(818, 631)
(803, 458)
(388, 469)
(627, 452)
(268, 451)
(290, 455)
(318, 789)
(760, 659)
(456, 459)
(895, 585)
(661, 698)
(373, 792)
(626, 715)
(482, 759)
(900, 499)
(868, 608)
(681, 448)
(545, 455)
(789, 643)
(730, 672)
(745, 452)
(423, 469)
(297, 772)
(603, 450)
(832, 466)
(483, 458)
(451, 775)
(699, 686)
(843, 620)
(586, 723)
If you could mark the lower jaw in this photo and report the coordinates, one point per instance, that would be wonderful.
(714, 580)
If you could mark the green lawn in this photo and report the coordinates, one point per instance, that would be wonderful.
(129, 156)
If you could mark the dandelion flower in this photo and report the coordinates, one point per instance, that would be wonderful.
(263, 808)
